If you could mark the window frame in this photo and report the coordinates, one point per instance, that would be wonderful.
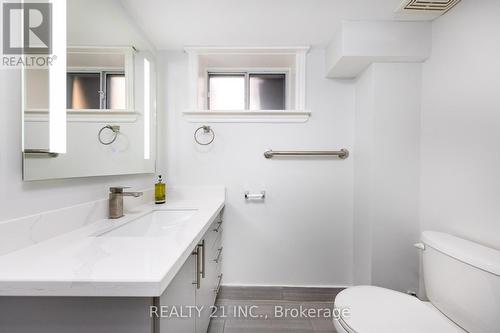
(102, 86)
(247, 72)
(201, 58)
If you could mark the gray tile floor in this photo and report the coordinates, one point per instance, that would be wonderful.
(270, 310)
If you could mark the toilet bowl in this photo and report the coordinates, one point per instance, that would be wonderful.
(380, 310)
(462, 282)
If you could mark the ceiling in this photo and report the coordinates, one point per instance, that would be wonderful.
(172, 24)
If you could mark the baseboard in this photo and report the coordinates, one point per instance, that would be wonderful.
(243, 285)
(279, 293)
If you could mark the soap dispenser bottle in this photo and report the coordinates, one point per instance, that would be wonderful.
(160, 191)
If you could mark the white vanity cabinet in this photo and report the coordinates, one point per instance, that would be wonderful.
(194, 286)
(187, 302)
(179, 294)
(211, 276)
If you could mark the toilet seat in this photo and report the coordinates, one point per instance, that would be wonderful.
(375, 310)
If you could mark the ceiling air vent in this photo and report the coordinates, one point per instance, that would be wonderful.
(425, 9)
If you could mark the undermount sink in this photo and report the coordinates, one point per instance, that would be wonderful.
(154, 224)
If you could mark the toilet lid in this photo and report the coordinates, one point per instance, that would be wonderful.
(375, 310)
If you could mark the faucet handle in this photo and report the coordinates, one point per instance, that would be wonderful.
(118, 189)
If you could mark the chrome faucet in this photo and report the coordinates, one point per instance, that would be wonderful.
(116, 201)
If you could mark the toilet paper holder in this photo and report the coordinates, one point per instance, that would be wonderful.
(255, 196)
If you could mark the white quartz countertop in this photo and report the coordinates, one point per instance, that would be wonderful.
(80, 263)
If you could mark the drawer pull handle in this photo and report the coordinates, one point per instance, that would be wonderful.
(219, 253)
(202, 247)
(196, 253)
(219, 224)
(217, 289)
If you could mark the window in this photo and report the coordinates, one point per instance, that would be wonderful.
(247, 91)
(83, 91)
(115, 91)
(267, 91)
(96, 90)
(247, 84)
(226, 91)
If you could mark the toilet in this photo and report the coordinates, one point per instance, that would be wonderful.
(462, 282)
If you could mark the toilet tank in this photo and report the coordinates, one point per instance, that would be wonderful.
(462, 280)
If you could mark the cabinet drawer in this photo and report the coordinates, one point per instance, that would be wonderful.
(213, 249)
(213, 234)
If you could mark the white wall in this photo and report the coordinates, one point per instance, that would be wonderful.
(364, 149)
(18, 198)
(357, 44)
(386, 176)
(461, 124)
(302, 234)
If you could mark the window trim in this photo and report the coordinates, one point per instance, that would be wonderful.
(247, 71)
(129, 115)
(196, 110)
(129, 54)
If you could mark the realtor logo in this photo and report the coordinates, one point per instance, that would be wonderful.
(27, 28)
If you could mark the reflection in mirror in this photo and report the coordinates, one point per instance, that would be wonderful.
(147, 110)
(97, 79)
(115, 91)
(108, 81)
(83, 91)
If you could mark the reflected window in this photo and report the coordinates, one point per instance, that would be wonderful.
(96, 90)
(83, 91)
(247, 91)
(116, 91)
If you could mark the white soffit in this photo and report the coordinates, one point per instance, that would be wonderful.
(360, 43)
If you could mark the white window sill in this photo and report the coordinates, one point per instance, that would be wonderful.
(247, 116)
(85, 116)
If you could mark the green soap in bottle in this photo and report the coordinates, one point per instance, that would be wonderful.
(160, 191)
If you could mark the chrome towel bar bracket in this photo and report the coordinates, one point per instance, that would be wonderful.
(342, 154)
(40, 152)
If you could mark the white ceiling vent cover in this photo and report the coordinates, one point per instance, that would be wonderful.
(425, 9)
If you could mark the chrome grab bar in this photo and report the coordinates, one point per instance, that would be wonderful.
(342, 154)
(41, 152)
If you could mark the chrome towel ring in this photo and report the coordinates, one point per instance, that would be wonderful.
(114, 128)
(206, 130)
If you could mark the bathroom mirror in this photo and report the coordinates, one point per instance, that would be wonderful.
(99, 106)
